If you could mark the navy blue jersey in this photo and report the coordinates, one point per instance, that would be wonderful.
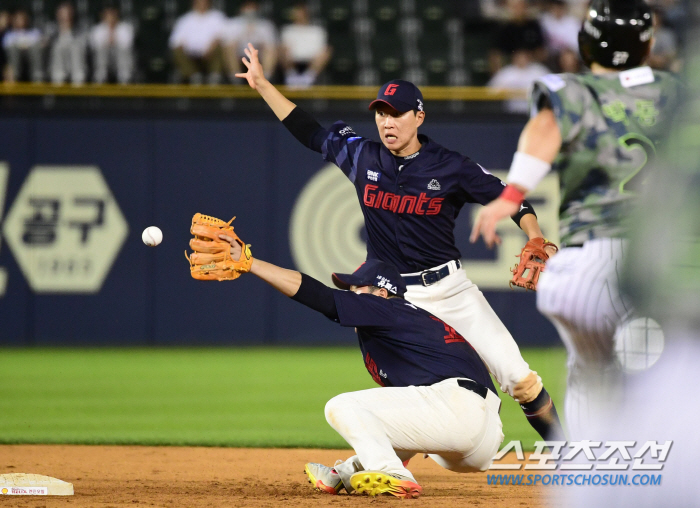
(409, 205)
(403, 345)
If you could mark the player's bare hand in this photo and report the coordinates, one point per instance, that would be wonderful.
(551, 251)
(488, 218)
(235, 246)
(255, 75)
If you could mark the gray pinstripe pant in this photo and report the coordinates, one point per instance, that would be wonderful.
(579, 292)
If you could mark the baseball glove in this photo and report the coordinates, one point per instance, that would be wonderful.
(211, 259)
(526, 273)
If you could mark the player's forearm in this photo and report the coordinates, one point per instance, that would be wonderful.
(526, 208)
(283, 280)
(279, 104)
(306, 129)
(541, 137)
(529, 224)
(538, 146)
(298, 286)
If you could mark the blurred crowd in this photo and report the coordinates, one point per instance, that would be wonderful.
(58, 50)
(499, 43)
(207, 46)
(536, 39)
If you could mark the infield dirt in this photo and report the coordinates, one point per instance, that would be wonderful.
(117, 476)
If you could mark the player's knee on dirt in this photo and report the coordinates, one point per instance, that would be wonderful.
(343, 414)
(332, 410)
(528, 388)
(456, 462)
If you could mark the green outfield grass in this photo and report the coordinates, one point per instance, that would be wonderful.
(270, 397)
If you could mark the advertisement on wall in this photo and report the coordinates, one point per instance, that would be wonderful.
(75, 195)
(64, 229)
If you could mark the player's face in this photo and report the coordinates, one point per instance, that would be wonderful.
(398, 131)
(359, 289)
(382, 293)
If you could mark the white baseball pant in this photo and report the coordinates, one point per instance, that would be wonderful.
(579, 293)
(459, 303)
(457, 428)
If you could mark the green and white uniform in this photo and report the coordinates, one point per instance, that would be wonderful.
(611, 125)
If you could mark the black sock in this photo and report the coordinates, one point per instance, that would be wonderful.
(543, 417)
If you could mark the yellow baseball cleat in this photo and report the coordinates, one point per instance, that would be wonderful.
(374, 483)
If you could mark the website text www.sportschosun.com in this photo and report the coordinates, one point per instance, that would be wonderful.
(531, 480)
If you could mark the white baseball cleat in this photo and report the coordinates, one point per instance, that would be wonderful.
(323, 478)
(374, 483)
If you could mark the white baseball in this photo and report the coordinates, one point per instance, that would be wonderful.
(152, 236)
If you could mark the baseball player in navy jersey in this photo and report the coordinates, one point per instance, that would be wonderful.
(436, 398)
(598, 130)
(411, 190)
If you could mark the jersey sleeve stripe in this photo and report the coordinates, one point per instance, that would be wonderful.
(355, 159)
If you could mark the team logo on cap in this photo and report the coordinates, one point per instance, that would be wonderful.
(420, 105)
(391, 89)
(383, 282)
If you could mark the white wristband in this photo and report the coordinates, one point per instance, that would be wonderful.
(527, 171)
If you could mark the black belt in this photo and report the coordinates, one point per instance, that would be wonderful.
(473, 386)
(429, 277)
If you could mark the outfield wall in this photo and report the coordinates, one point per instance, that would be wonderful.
(76, 193)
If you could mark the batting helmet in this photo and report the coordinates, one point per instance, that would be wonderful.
(616, 33)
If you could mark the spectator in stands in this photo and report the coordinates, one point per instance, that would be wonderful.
(520, 32)
(519, 75)
(568, 61)
(23, 46)
(67, 48)
(112, 43)
(196, 43)
(560, 28)
(664, 51)
(247, 27)
(578, 8)
(305, 50)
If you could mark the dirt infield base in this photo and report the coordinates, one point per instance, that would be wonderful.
(112, 476)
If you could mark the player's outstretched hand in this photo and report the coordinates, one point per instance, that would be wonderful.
(488, 218)
(235, 246)
(255, 75)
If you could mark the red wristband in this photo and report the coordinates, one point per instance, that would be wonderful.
(510, 193)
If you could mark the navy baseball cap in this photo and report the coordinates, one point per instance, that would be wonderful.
(401, 95)
(373, 273)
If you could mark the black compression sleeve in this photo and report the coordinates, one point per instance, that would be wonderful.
(524, 210)
(316, 296)
(305, 128)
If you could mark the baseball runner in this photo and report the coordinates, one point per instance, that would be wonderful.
(436, 397)
(598, 130)
(411, 190)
